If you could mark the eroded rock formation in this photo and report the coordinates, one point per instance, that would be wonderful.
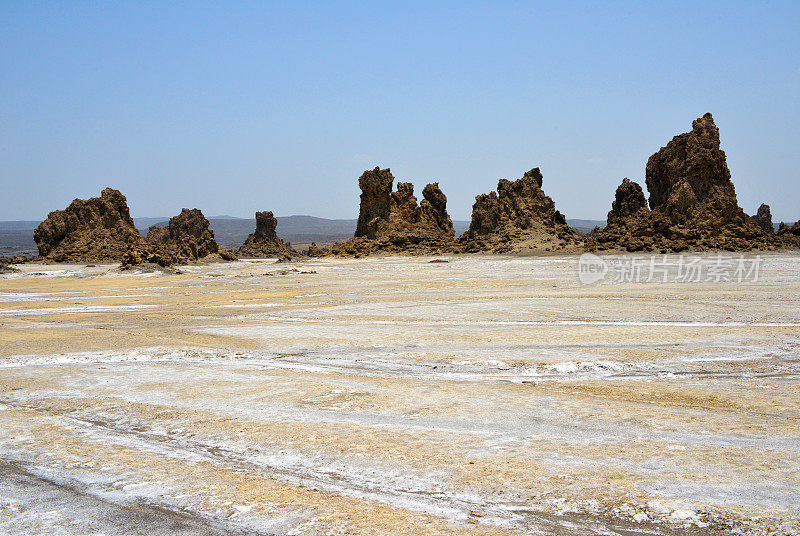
(186, 238)
(376, 191)
(264, 242)
(692, 201)
(519, 217)
(315, 251)
(628, 201)
(101, 229)
(689, 171)
(17, 259)
(788, 236)
(789, 230)
(764, 218)
(91, 230)
(393, 221)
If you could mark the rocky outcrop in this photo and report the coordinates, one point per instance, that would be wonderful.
(764, 218)
(92, 230)
(393, 222)
(433, 209)
(692, 201)
(628, 202)
(187, 238)
(17, 259)
(315, 251)
(519, 217)
(785, 230)
(376, 191)
(264, 242)
(628, 211)
(689, 171)
(629, 224)
(101, 229)
(788, 236)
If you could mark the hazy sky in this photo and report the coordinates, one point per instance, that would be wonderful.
(245, 106)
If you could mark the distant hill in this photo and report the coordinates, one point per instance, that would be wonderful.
(586, 226)
(143, 224)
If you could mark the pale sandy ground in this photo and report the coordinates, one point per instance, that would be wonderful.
(486, 395)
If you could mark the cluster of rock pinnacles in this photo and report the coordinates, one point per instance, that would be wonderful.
(692, 205)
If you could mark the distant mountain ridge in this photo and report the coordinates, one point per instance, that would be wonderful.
(586, 226)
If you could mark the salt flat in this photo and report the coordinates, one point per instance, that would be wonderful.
(485, 395)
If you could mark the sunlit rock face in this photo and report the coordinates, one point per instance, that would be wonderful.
(95, 229)
(518, 217)
(394, 222)
(186, 238)
(692, 164)
(376, 189)
(628, 201)
(692, 202)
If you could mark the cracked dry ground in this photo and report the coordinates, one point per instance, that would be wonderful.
(485, 395)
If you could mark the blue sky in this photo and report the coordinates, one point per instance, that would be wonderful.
(244, 106)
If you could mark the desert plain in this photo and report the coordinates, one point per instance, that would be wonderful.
(395, 395)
